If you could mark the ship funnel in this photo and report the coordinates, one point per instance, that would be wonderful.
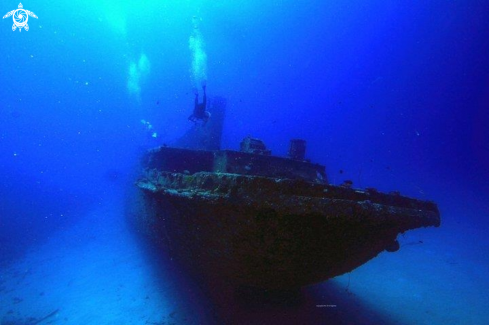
(297, 149)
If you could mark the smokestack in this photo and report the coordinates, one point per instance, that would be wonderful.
(297, 149)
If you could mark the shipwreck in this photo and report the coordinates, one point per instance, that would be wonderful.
(248, 218)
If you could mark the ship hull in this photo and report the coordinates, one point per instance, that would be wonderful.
(268, 232)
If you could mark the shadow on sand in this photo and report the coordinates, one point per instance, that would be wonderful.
(320, 304)
(325, 303)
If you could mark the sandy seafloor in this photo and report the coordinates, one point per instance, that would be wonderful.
(98, 272)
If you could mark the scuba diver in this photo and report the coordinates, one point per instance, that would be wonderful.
(200, 112)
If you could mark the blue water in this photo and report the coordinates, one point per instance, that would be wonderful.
(388, 94)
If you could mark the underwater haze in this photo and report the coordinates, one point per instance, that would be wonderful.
(388, 94)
